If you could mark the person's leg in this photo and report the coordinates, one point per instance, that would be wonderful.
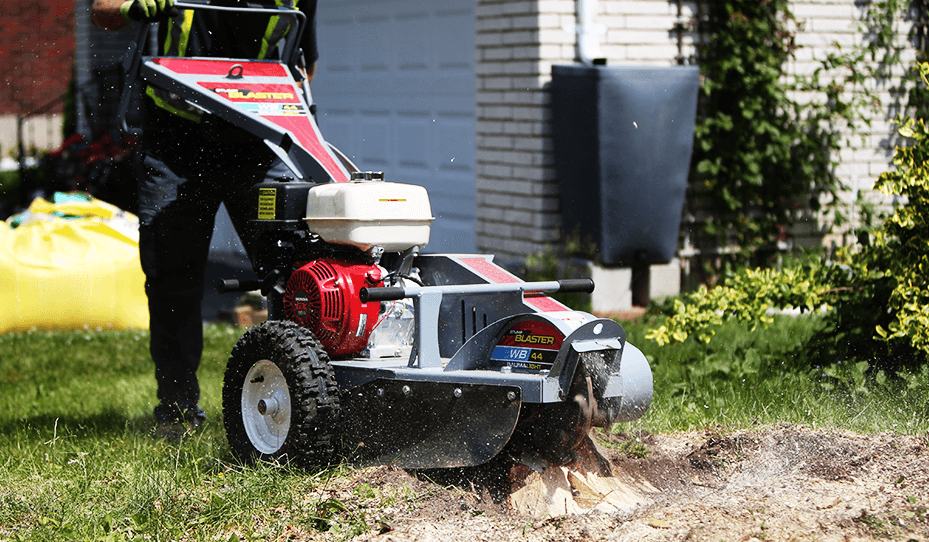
(176, 222)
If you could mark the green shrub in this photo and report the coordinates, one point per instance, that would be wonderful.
(877, 291)
(566, 260)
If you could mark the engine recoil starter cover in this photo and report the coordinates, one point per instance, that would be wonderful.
(322, 296)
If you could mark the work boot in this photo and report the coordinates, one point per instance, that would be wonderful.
(174, 422)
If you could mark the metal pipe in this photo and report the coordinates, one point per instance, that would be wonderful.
(588, 34)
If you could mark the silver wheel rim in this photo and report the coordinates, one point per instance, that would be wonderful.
(266, 407)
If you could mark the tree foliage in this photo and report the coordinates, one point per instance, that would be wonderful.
(876, 292)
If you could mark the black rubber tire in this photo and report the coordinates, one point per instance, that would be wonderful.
(315, 409)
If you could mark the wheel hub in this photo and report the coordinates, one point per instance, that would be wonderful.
(266, 407)
(273, 405)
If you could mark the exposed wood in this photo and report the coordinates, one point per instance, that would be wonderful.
(586, 484)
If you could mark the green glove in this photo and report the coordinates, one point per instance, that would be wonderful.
(147, 10)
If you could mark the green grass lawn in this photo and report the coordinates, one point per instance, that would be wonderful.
(78, 460)
(784, 373)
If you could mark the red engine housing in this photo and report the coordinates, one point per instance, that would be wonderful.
(323, 297)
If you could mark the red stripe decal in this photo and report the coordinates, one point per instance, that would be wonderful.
(545, 304)
(222, 67)
(493, 273)
(497, 275)
(300, 126)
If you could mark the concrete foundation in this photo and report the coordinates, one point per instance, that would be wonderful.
(613, 294)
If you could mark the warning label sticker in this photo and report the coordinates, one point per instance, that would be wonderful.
(273, 109)
(267, 203)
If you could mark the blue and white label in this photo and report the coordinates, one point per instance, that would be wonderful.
(510, 353)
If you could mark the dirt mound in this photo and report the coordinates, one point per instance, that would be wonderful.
(780, 482)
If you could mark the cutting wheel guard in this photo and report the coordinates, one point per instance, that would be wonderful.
(428, 424)
(487, 397)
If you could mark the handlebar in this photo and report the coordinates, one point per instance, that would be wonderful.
(393, 293)
(135, 10)
(133, 59)
(582, 286)
(390, 293)
(293, 38)
(224, 286)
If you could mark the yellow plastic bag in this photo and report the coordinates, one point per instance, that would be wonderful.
(67, 273)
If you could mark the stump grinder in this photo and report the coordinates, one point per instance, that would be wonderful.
(373, 349)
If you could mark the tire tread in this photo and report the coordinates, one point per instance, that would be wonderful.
(314, 393)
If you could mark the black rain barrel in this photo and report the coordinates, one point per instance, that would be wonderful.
(623, 137)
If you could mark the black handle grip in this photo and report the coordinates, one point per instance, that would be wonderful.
(236, 285)
(390, 293)
(576, 285)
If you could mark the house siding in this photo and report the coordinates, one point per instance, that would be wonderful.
(519, 41)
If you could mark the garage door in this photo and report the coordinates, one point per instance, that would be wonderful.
(395, 89)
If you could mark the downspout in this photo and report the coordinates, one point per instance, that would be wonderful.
(588, 33)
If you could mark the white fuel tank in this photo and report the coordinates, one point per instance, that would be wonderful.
(367, 213)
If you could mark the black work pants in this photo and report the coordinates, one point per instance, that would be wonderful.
(186, 171)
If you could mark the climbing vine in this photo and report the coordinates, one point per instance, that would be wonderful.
(761, 159)
(875, 290)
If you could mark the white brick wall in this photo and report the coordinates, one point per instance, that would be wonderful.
(830, 26)
(517, 44)
(517, 197)
(518, 41)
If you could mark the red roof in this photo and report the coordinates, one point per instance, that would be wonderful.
(36, 53)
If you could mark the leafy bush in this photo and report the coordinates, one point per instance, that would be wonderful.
(877, 291)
